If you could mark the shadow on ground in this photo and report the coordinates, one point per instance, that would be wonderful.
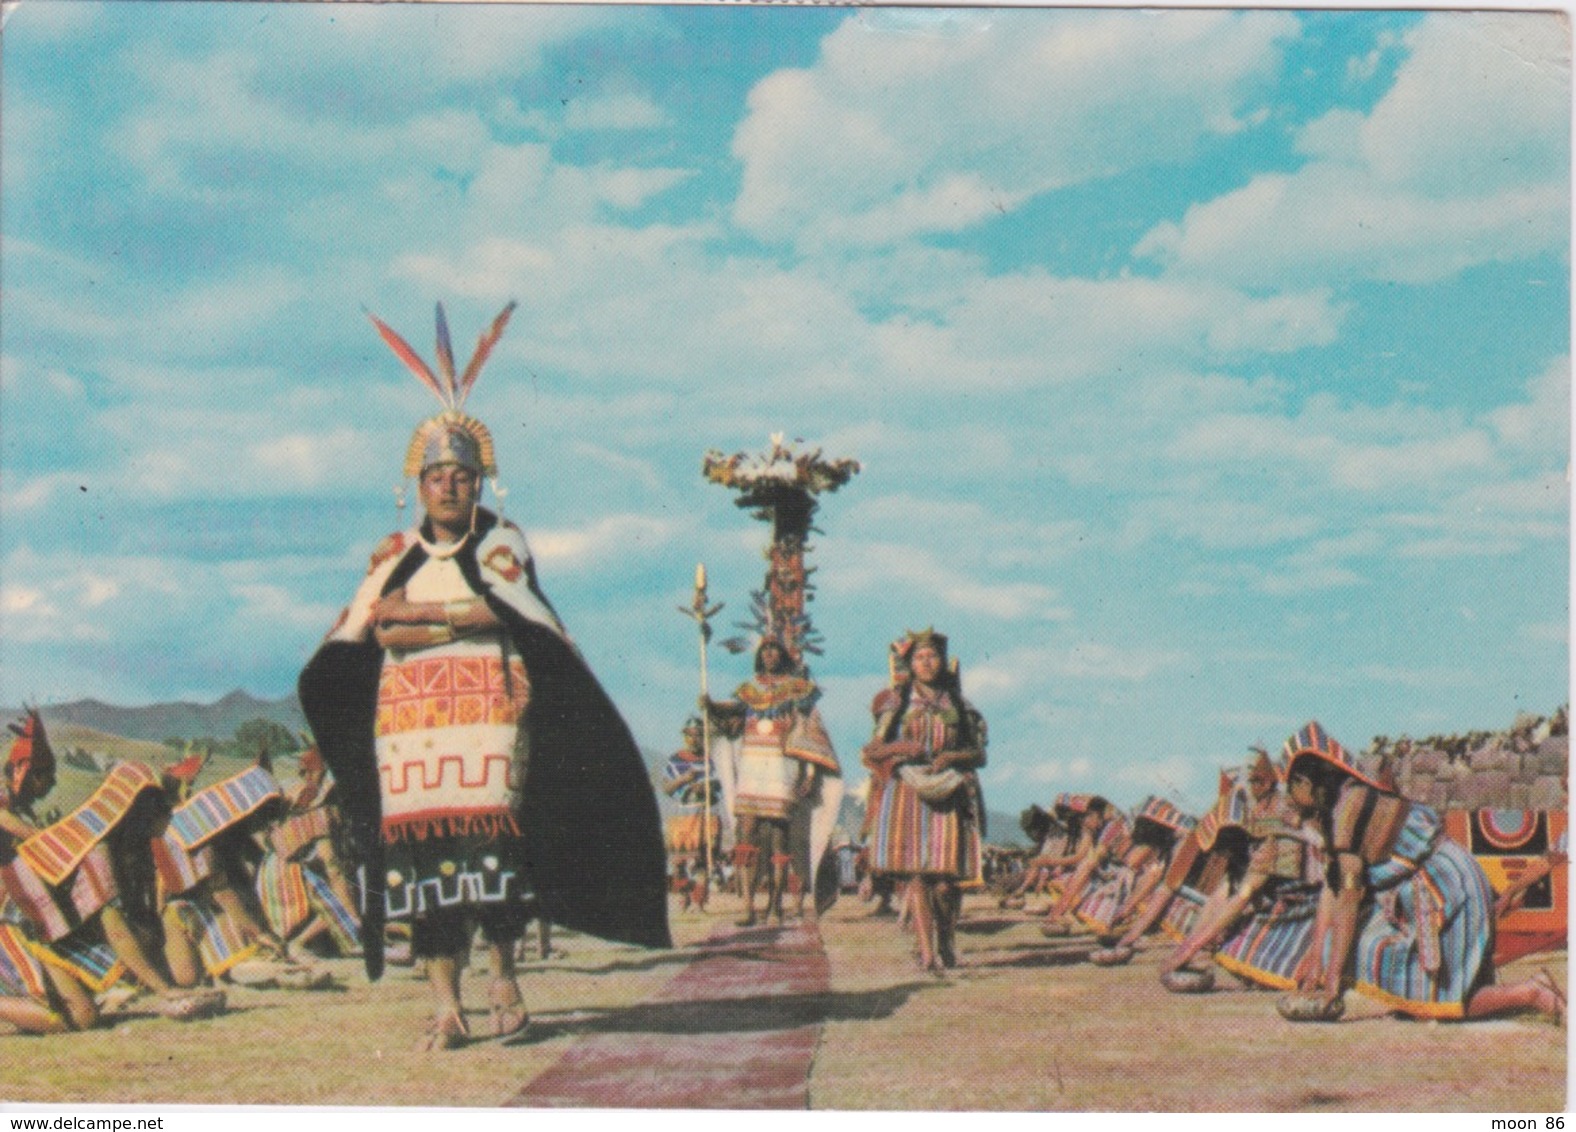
(753, 1014)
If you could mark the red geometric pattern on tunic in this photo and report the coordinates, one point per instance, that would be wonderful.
(430, 774)
(449, 691)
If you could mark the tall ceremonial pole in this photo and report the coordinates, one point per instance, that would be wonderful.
(702, 614)
(780, 486)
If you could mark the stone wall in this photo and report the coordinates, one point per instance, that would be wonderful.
(1523, 768)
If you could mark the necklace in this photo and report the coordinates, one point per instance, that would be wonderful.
(441, 550)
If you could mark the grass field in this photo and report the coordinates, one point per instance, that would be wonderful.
(1023, 1025)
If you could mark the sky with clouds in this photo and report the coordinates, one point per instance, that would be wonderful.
(1209, 370)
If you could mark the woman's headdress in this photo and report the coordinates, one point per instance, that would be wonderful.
(180, 778)
(453, 436)
(29, 752)
(902, 652)
(1313, 742)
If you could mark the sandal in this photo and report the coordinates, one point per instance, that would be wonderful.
(1310, 1008)
(1114, 956)
(305, 979)
(445, 1032)
(509, 1016)
(1188, 980)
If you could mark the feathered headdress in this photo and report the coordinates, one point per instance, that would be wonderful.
(30, 752)
(453, 436)
(793, 633)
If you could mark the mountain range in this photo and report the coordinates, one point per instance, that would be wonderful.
(154, 723)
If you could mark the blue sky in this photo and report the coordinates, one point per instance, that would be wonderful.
(1210, 370)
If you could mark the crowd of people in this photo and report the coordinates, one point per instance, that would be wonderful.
(153, 888)
(469, 774)
(1309, 876)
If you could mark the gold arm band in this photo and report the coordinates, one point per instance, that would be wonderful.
(440, 634)
(453, 610)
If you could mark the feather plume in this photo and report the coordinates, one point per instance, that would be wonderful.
(412, 360)
(484, 347)
(446, 357)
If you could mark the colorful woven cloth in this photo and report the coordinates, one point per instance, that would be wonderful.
(1315, 741)
(21, 976)
(343, 923)
(446, 731)
(281, 890)
(1270, 944)
(86, 958)
(1426, 941)
(54, 911)
(300, 831)
(909, 834)
(219, 941)
(54, 852)
(214, 810)
(290, 892)
(179, 870)
(1108, 890)
(1164, 813)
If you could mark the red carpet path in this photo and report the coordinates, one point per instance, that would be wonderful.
(736, 1028)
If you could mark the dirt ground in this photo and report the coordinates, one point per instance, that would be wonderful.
(1023, 1025)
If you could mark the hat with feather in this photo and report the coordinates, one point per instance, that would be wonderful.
(453, 436)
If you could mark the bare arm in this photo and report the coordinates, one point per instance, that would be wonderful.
(404, 624)
(1216, 920)
(15, 826)
(1343, 922)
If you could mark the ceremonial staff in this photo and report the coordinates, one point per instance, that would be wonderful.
(702, 614)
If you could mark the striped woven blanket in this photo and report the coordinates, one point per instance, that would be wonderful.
(214, 810)
(54, 852)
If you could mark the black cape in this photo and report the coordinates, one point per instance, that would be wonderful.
(595, 852)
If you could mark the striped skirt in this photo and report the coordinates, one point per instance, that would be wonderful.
(290, 893)
(1268, 947)
(83, 955)
(1182, 912)
(910, 836)
(220, 944)
(1108, 891)
(21, 973)
(1425, 945)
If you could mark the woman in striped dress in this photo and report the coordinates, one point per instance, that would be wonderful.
(926, 812)
(1406, 915)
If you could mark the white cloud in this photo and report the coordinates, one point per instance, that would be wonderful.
(47, 22)
(917, 123)
(613, 535)
(1025, 670)
(1464, 161)
(1541, 424)
(301, 461)
(614, 112)
(929, 579)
